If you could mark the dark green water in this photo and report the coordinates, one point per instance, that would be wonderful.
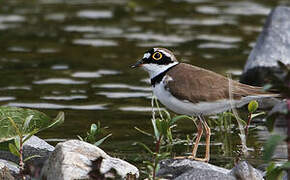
(73, 55)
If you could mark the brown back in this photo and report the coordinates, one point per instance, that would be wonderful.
(196, 84)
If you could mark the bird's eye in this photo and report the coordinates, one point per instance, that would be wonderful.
(157, 56)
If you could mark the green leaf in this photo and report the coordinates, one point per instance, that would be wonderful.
(14, 125)
(253, 106)
(267, 87)
(27, 122)
(17, 142)
(93, 129)
(80, 138)
(176, 118)
(13, 149)
(257, 114)
(31, 157)
(164, 127)
(156, 132)
(30, 134)
(158, 125)
(275, 174)
(56, 121)
(270, 146)
(167, 114)
(286, 165)
(242, 121)
(143, 132)
(11, 118)
(99, 142)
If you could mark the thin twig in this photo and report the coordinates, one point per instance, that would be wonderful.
(248, 124)
(241, 128)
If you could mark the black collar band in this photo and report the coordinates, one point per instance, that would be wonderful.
(157, 79)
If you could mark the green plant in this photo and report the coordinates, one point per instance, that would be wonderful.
(252, 108)
(94, 133)
(279, 80)
(19, 125)
(274, 171)
(225, 121)
(162, 137)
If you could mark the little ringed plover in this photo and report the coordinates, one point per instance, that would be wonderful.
(194, 91)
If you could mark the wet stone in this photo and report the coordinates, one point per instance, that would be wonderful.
(244, 171)
(4, 172)
(186, 169)
(76, 159)
(33, 146)
(272, 45)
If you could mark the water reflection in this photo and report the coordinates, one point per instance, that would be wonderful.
(59, 106)
(7, 98)
(138, 109)
(93, 14)
(66, 98)
(125, 94)
(93, 29)
(95, 42)
(95, 74)
(123, 86)
(59, 81)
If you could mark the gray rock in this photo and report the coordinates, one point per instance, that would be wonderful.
(33, 146)
(244, 171)
(185, 169)
(73, 160)
(4, 172)
(272, 45)
(13, 168)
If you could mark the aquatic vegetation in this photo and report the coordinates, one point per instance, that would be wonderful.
(280, 81)
(162, 137)
(94, 133)
(19, 125)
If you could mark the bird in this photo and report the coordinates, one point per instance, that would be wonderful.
(194, 91)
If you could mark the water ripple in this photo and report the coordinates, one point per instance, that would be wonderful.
(58, 106)
(59, 81)
(226, 39)
(65, 98)
(59, 67)
(208, 10)
(246, 9)
(18, 49)
(139, 109)
(8, 98)
(122, 86)
(12, 18)
(203, 22)
(125, 94)
(94, 74)
(95, 42)
(157, 37)
(93, 29)
(217, 46)
(47, 50)
(16, 88)
(94, 14)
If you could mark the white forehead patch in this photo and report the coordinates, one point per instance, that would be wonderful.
(165, 53)
(146, 55)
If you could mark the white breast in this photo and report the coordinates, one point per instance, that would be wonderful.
(188, 108)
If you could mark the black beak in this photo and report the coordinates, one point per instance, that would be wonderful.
(138, 64)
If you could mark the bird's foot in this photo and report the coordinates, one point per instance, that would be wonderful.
(193, 158)
(180, 157)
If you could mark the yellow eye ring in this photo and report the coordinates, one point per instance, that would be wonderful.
(157, 56)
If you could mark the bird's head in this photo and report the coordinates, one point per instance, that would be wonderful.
(156, 61)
